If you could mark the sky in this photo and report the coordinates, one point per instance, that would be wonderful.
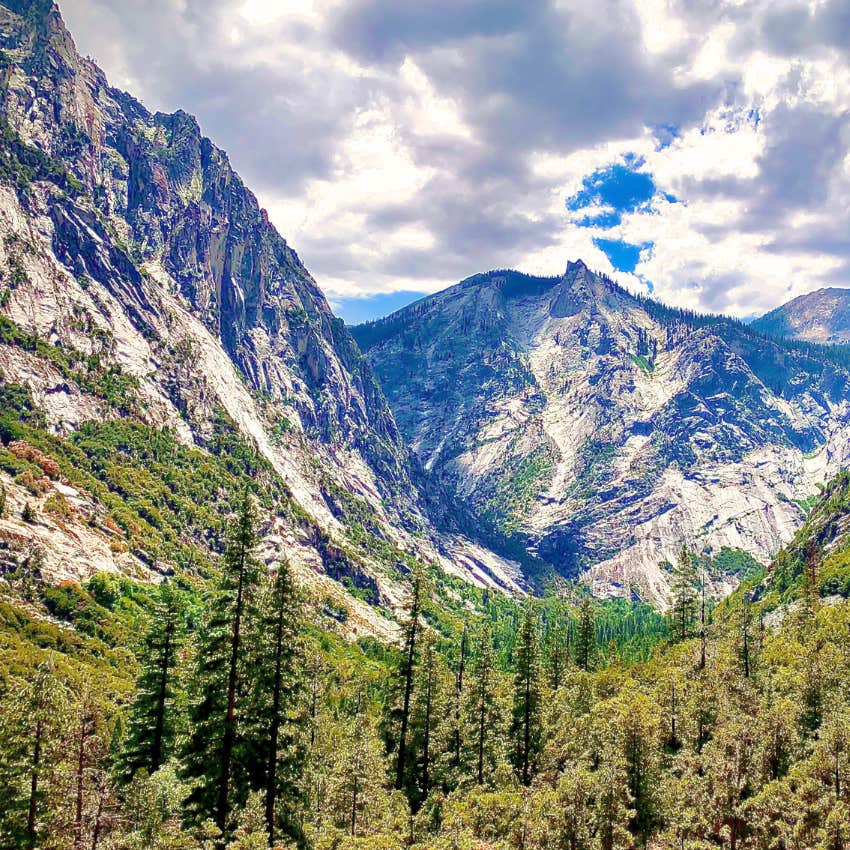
(698, 150)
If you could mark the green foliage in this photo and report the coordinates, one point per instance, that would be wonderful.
(150, 737)
(520, 483)
(22, 164)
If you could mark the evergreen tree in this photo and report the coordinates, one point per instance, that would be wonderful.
(457, 734)
(275, 747)
(482, 709)
(586, 635)
(683, 592)
(219, 677)
(526, 730)
(150, 731)
(424, 723)
(358, 797)
(559, 652)
(33, 717)
(411, 634)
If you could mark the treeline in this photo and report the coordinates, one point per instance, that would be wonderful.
(520, 728)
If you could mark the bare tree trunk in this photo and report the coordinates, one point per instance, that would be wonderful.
(79, 779)
(36, 764)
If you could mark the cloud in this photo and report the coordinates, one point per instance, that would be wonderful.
(700, 148)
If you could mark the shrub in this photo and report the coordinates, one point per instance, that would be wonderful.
(23, 450)
(33, 484)
(57, 505)
(28, 515)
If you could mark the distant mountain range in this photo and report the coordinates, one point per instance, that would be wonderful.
(601, 430)
(822, 316)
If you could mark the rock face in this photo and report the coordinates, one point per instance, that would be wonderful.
(127, 238)
(822, 317)
(601, 430)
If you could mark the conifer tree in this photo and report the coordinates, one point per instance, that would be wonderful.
(482, 708)
(586, 635)
(559, 653)
(424, 720)
(411, 634)
(458, 696)
(683, 592)
(150, 730)
(275, 749)
(526, 721)
(219, 675)
(31, 722)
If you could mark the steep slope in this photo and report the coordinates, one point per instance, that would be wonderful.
(602, 430)
(821, 317)
(820, 550)
(141, 279)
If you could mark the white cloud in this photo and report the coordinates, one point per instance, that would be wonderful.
(402, 146)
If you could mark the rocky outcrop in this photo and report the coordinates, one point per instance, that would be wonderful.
(601, 430)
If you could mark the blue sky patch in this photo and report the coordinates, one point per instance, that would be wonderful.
(620, 186)
(353, 311)
(623, 255)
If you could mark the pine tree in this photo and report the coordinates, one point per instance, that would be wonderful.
(411, 633)
(424, 721)
(275, 748)
(482, 709)
(86, 748)
(457, 734)
(559, 653)
(31, 725)
(526, 722)
(358, 797)
(150, 733)
(683, 592)
(219, 676)
(586, 636)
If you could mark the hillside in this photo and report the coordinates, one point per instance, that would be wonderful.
(140, 281)
(601, 430)
(822, 317)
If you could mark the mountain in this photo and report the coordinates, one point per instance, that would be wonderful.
(602, 430)
(820, 317)
(141, 281)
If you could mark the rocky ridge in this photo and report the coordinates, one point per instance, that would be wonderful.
(601, 430)
(818, 317)
(127, 239)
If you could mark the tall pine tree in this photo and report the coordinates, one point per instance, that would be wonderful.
(275, 745)
(683, 589)
(411, 635)
(33, 717)
(482, 711)
(150, 728)
(526, 721)
(586, 635)
(219, 676)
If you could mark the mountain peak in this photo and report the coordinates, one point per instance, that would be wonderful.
(821, 316)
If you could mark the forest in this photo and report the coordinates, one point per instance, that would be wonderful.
(218, 713)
